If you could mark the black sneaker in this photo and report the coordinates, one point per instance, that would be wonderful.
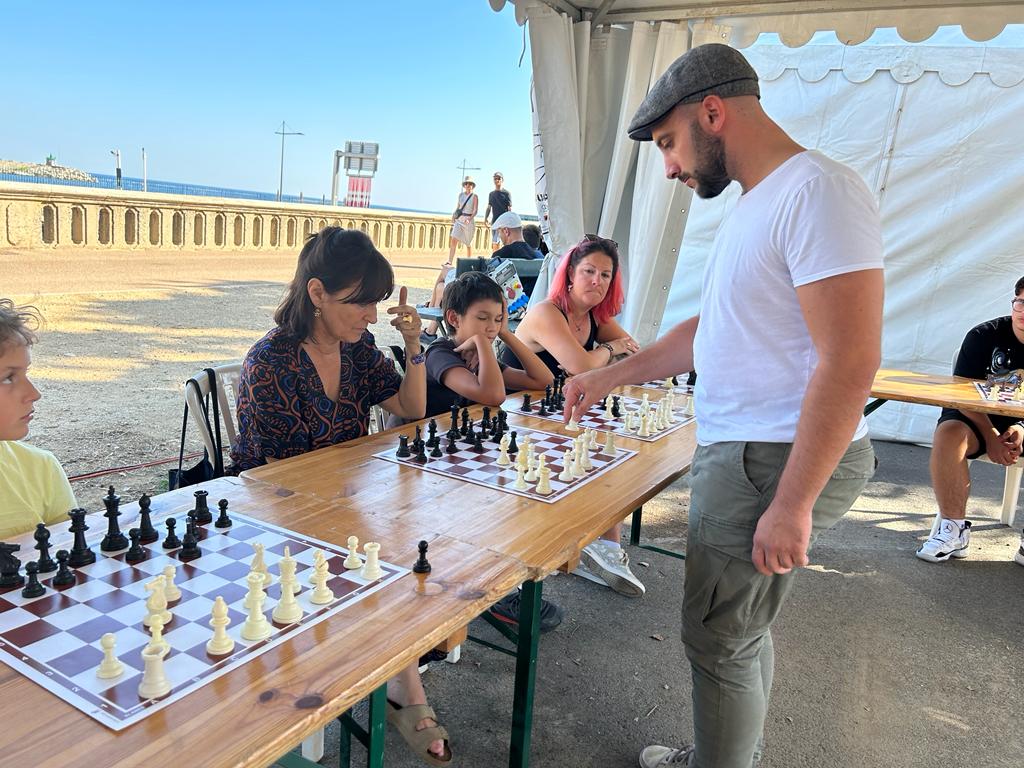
(507, 610)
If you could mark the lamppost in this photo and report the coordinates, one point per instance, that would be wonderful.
(117, 153)
(144, 186)
(284, 132)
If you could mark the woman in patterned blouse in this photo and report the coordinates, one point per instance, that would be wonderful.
(310, 383)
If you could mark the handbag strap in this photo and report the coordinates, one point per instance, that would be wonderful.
(218, 460)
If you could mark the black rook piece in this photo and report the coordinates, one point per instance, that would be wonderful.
(80, 552)
(42, 537)
(527, 408)
(33, 588)
(65, 576)
(203, 515)
(10, 566)
(147, 533)
(403, 447)
(114, 540)
(422, 566)
(223, 521)
(172, 541)
(136, 554)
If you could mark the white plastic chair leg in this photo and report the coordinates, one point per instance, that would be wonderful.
(1011, 492)
(313, 746)
(454, 655)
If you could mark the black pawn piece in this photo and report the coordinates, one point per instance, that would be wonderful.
(147, 533)
(486, 420)
(422, 565)
(478, 443)
(65, 576)
(503, 418)
(203, 514)
(80, 552)
(675, 381)
(223, 521)
(527, 408)
(403, 447)
(189, 545)
(45, 562)
(135, 554)
(419, 437)
(543, 410)
(172, 541)
(10, 566)
(33, 588)
(512, 447)
(452, 446)
(604, 402)
(616, 411)
(432, 438)
(114, 540)
(421, 452)
(435, 452)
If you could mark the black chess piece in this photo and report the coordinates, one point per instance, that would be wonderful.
(147, 533)
(478, 443)
(419, 436)
(435, 452)
(527, 408)
(604, 402)
(33, 588)
(114, 540)
(421, 452)
(42, 537)
(543, 410)
(616, 411)
(470, 433)
(403, 447)
(172, 541)
(192, 525)
(496, 430)
(485, 421)
(422, 565)
(452, 446)
(65, 576)
(203, 515)
(189, 544)
(547, 396)
(503, 418)
(223, 521)
(135, 553)
(512, 447)
(465, 422)
(10, 566)
(432, 439)
(675, 381)
(80, 552)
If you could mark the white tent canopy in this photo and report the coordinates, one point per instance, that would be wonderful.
(933, 129)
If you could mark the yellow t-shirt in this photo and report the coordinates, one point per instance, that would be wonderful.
(33, 489)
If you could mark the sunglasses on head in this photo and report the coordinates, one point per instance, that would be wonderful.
(600, 240)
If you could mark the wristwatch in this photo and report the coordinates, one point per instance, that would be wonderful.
(418, 358)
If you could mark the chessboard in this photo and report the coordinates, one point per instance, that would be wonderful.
(54, 638)
(477, 461)
(1007, 395)
(601, 416)
(671, 384)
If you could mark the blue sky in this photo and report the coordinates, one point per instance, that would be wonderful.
(203, 86)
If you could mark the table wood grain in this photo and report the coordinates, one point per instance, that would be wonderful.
(936, 389)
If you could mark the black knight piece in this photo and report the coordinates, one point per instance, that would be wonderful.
(403, 447)
(33, 588)
(172, 541)
(42, 537)
(135, 553)
(203, 515)
(192, 525)
(422, 565)
(147, 533)
(65, 576)
(10, 566)
(223, 521)
(616, 411)
(80, 552)
(114, 540)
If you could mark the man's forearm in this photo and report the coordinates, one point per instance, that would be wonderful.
(982, 422)
(670, 355)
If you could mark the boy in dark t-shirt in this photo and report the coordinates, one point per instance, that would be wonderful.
(993, 347)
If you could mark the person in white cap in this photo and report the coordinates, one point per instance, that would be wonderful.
(463, 224)
(509, 230)
(498, 202)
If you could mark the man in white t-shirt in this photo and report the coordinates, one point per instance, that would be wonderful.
(786, 345)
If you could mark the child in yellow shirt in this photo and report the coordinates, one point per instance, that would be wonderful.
(33, 486)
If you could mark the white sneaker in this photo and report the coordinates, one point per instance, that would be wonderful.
(949, 541)
(611, 565)
(656, 757)
(585, 573)
(1019, 555)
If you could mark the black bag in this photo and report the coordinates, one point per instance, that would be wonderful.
(203, 470)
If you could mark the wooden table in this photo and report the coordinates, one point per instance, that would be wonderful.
(543, 537)
(935, 389)
(256, 713)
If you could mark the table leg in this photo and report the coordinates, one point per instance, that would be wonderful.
(526, 672)
(634, 526)
(376, 724)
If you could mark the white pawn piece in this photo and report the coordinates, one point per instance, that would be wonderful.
(221, 643)
(156, 635)
(608, 409)
(544, 485)
(352, 561)
(609, 444)
(672, 408)
(520, 483)
(593, 444)
(259, 565)
(503, 459)
(156, 603)
(171, 591)
(566, 474)
(645, 404)
(993, 393)
(645, 426)
(322, 594)
(573, 425)
(287, 610)
(531, 457)
(523, 459)
(688, 409)
(318, 557)
(668, 383)
(627, 422)
(256, 626)
(531, 471)
(371, 569)
(110, 667)
(524, 446)
(154, 681)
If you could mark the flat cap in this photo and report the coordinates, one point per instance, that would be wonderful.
(712, 69)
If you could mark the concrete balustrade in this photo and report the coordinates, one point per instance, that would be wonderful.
(52, 216)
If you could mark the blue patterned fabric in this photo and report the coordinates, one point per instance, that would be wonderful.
(282, 408)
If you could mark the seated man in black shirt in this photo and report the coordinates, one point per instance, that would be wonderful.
(510, 231)
(996, 346)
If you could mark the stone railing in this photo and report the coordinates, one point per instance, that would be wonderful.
(51, 216)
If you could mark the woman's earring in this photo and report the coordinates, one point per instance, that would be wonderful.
(317, 312)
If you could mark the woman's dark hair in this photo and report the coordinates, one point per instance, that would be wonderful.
(466, 290)
(339, 258)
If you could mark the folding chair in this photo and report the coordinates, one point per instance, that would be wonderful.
(226, 377)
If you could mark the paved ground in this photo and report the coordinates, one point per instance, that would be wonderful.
(883, 660)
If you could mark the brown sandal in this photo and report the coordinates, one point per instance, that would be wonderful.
(405, 720)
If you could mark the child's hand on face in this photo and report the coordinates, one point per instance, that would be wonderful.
(470, 352)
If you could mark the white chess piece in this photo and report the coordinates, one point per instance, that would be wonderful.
(524, 446)
(585, 460)
(993, 393)
(672, 419)
(688, 409)
(154, 682)
(531, 470)
(544, 485)
(608, 408)
(156, 603)
(531, 458)
(256, 626)
(110, 667)
(645, 404)
(609, 444)
(577, 461)
(668, 383)
(566, 474)
(645, 427)
(520, 483)
(371, 568)
(503, 460)
(593, 444)
(318, 557)
(221, 643)
(171, 591)
(287, 610)
(259, 565)
(627, 422)
(322, 594)
(573, 425)
(352, 561)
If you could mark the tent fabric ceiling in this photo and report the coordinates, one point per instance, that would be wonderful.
(796, 21)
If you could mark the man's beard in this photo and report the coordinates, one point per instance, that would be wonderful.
(709, 168)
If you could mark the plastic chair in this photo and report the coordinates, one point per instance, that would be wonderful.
(227, 395)
(379, 416)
